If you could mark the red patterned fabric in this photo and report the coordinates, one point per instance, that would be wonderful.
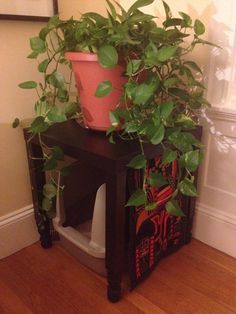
(153, 234)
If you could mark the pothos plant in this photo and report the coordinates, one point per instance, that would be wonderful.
(164, 89)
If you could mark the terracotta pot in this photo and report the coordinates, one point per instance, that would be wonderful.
(88, 74)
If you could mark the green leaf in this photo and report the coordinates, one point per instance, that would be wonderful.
(181, 93)
(166, 109)
(192, 160)
(57, 114)
(57, 80)
(191, 139)
(158, 135)
(138, 198)
(131, 126)
(57, 153)
(50, 164)
(172, 207)
(161, 181)
(139, 17)
(37, 45)
(147, 128)
(173, 22)
(49, 190)
(157, 180)
(150, 206)
(174, 35)
(153, 179)
(165, 53)
(114, 118)
(110, 130)
(138, 4)
(62, 95)
(180, 141)
(107, 56)
(15, 123)
(53, 22)
(112, 9)
(41, 108)
(144, 92)
(199, 27)
(186, 187)
(111, 139)
(130, 89)
(38, 125)
(138, 162)
(151, 55)
(133, 66)
(167, 10)
(205, 42)
(43, 33)
(66, 171)
(71, 108)
(169, 155)
(28, 85)
(51, 213)
(185, 121)
(98, 18)
(187, 19)
(33, 55)
(193, 65)
(169, 82)
(42, 67)
(104, 88)
(46, 204)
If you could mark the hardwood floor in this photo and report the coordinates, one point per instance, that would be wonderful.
(196, 279)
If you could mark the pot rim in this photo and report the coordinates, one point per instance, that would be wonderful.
(81, 56)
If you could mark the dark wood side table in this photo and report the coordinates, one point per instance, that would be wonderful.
(92, 148)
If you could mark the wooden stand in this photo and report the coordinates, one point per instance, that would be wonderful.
(93, 149)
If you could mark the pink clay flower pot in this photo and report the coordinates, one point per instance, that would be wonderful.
(88, 74)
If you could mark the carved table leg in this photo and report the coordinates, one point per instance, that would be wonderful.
(37, 178)
(190, 214)
(115, 233)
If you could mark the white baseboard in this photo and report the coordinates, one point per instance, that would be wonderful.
(17, 230)
(215, 228)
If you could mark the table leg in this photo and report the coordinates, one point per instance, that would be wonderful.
(37, 178)
(115, 233)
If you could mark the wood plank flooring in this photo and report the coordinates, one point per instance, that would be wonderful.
(196, 279)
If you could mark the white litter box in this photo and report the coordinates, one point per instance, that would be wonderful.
(86, 241)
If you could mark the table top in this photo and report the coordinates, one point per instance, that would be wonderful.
(88, 144)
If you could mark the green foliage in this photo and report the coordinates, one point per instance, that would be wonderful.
(28, 85)
(38, 125)
(138, 198)
(104, 88)
(107, 56)
(187, 187)
(156, 179)
(15, 123)
(173, 208)
(169, 156)
(138, 162)
(159, 101)
(199, 27)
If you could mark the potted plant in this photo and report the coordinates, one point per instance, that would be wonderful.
(157, 89)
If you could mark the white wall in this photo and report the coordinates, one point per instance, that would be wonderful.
(215, 222)
(17, 225)
(15, 191)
